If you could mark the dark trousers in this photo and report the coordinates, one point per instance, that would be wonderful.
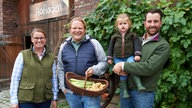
(45, 104)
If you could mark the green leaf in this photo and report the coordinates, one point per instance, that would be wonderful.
(175, 39)
(168, 20)
(176, 52)
(185, 30)
(186, 42)
(183, 21)
(189, 54)
(96, 29)
(172, 78)
(178, 16)
(184, 81)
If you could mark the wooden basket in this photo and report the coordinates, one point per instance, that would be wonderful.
(83, 91)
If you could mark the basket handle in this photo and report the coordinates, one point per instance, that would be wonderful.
(85, 80)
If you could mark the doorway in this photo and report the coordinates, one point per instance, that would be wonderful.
(28, 42)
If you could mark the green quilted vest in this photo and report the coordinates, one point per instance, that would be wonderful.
(36, 79)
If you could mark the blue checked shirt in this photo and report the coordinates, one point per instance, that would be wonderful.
(16, 77)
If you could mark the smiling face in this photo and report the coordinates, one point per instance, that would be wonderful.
(152, 23)
(38, 39)
(77, 30)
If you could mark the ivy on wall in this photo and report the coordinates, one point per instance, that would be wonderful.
(175, 86)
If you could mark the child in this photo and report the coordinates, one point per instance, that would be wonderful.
(123, 46)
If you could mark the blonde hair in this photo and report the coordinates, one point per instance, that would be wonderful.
(122, 17)
(78, 19)
(38, 30)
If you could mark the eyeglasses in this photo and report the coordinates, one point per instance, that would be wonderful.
(37, 38)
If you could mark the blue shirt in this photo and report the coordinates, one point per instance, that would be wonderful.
(16, 77)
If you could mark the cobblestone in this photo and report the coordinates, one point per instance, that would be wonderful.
(62, 103)
(4, 99)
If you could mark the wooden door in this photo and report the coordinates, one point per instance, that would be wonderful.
(8, 52)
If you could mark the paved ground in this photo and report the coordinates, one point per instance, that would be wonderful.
(5, 103)
(114, 102)
(4, 99)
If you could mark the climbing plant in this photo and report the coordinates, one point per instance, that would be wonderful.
(175, 85)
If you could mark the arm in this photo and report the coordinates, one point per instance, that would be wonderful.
(53, 104)
(152, 64)
(54, 82)
(102, 65)
(61, 72)
(55, 86)
(15, 79)
(111, 48)
(137, 46)
(60, 69)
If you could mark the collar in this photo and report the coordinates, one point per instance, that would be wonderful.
(151, 38)
(42, 52)
(72, 40)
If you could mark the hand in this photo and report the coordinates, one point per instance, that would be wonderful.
(137, 58)
(110, 62)
(118, 69)
(15, 106)
(54, 104)
(89, 72)
(65, 91)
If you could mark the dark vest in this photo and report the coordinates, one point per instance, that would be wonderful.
(78, 62)
(36, 80)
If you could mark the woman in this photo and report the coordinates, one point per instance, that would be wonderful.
(84, 56)
(34, 80)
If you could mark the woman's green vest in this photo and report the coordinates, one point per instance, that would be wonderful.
(36, 79)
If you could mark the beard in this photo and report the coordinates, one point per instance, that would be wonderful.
(152, 31)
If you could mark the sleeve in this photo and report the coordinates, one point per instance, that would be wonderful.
(54, 82)
(137, 45)
(60, 69)
(111, 48)
(15, 78)
(153, 64)
(102, 66)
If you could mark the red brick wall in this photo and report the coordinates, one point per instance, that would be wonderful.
(84, 7)
(10, 21)
(1, 18)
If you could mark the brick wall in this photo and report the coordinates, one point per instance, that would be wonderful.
(1, 17)
(84, 7)
(9, 17)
